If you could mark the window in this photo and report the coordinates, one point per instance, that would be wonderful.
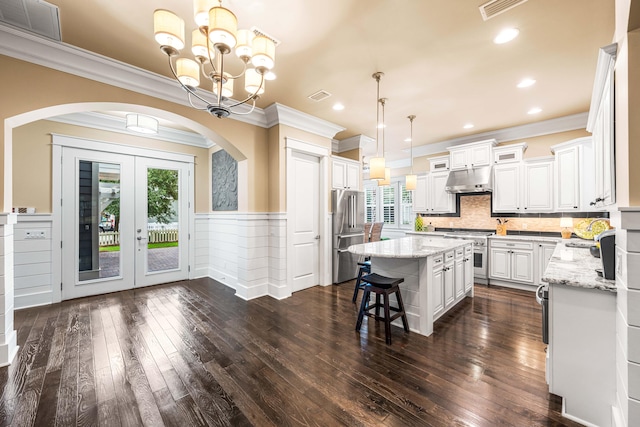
(392, 204)
(370, 195)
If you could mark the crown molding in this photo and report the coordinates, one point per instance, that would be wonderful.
(531, 130)
(111, 123)
(283, 115)
(351, 143)
(83, 63)
(604, 74)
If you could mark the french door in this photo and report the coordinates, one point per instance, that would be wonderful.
(125, 221)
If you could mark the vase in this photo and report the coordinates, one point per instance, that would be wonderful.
(501, 230)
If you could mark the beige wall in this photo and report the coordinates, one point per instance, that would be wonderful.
(32, 161)
(540, 146)
(34, 87)
(350, 154)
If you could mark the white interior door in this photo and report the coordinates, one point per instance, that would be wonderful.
(305, 179)
(125, 221)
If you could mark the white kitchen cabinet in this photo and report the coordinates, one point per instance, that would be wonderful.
(458, 273)
(525, 187)
(438, 164)
(506, 188)
(420, 194)
(440, 200)
(511, 261)
(345, 173)
(437, 302)
(468, 269)
(511, 153)
(430, 195)
(601, 124)
(573, 175)
(448, 280)
(545, 250)
(472, 155)
(537, 185)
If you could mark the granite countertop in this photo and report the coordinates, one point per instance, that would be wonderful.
(408, 247)
(427, 233)
(576, 267)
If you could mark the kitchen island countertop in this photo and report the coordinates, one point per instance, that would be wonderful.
(408, 247)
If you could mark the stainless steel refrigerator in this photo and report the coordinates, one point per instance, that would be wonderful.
(348, 229)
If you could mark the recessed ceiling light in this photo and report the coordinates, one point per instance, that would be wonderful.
(407, 140)
(381, 125)
(534, 110)
(338, 106)
(468, 126)
(506, 35)
(526, 83)
(270, 75)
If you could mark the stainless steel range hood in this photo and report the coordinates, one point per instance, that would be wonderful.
(476, 180)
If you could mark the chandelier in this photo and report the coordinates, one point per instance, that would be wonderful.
(212, 42)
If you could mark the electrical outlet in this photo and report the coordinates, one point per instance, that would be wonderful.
(524, 226)
(450, 224)
(35, 234)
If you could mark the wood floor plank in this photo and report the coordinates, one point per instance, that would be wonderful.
(193, 354)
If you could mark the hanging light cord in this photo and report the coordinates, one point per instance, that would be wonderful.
(411, 117)
(382, 101)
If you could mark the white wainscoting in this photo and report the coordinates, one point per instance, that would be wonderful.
(245, 251)
(32, 261)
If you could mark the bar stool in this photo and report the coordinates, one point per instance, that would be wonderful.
(365, 268)
(384, 286)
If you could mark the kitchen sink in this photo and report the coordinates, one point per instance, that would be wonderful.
(579, 245)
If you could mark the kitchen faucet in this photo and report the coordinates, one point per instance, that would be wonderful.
(594, 220)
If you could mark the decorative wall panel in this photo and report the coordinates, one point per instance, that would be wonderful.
(224, 180)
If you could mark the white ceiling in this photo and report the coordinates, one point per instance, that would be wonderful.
(438, 58)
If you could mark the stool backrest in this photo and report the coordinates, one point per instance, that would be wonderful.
(367, 231)
(376, 231)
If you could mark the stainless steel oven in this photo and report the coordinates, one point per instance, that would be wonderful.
(480, 257)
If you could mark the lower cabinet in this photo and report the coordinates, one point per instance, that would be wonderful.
(468, 268)
(452, 279)
(511, 261)
(545, 250)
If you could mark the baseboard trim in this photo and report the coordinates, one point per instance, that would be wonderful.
(33, 300)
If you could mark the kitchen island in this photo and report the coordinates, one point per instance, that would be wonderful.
(437, 272)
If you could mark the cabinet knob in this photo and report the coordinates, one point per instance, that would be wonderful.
(525, 207)
(575, 207)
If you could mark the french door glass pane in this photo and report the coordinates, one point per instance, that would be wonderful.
(162, 219)
(98, 219)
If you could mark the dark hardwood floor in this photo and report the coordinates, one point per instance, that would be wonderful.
(191, 353)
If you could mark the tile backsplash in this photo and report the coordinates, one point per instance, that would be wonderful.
(475, 213)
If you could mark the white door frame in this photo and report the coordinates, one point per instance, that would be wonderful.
(59, 141)
(324, 252)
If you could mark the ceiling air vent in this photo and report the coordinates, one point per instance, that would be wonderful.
(496, 7)
(258, 32)
(36, 16)
(319, 95)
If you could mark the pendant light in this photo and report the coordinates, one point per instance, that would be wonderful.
(411, 179)
(387, 171)
(377, 164)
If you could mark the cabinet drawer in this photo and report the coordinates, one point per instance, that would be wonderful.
(448, 256)
(468, 249)
(512, 245)
(438, 261)
(459, 252)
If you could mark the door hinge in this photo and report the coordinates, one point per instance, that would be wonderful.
(189, 268)
(189, 204)
(60, 286)
(189, 236)
(60, 244)
(60, 202)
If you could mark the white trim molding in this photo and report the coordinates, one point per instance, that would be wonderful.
(604, 69)
(83, 63)
(283, 115)
(351, 143)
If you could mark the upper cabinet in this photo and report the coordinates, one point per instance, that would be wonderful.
(345, 173)
(509, 153)
(600, 124)
(524, 187)
(574, 175)
(472, 155)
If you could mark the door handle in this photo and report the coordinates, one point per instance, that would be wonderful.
(317, 237)
(141, 238)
